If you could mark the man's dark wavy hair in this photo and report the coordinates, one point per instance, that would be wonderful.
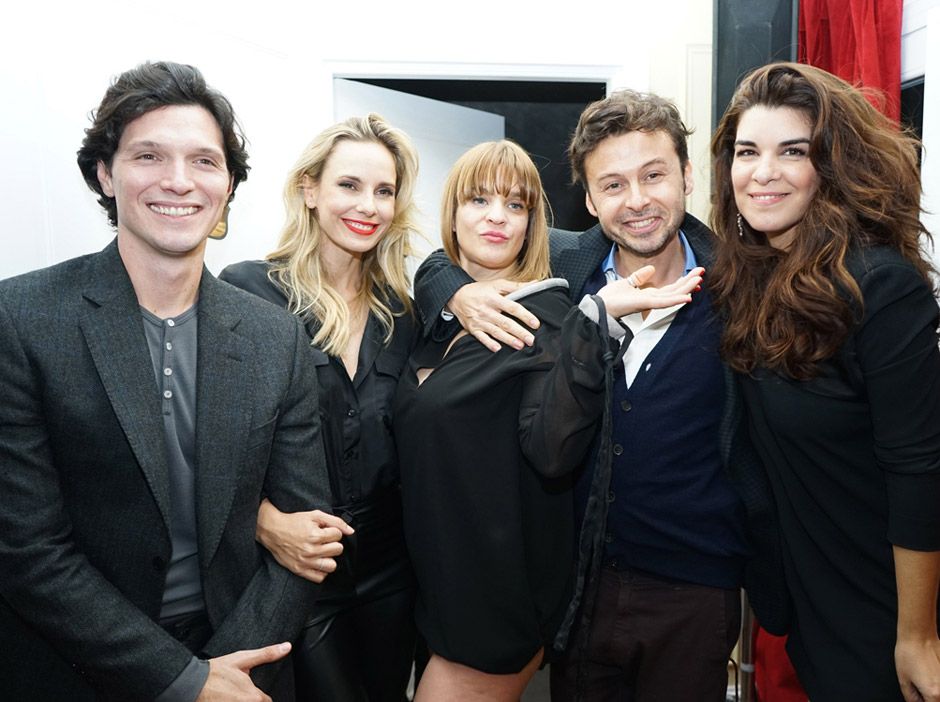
(143, 89)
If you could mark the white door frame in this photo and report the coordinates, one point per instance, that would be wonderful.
(609, 75)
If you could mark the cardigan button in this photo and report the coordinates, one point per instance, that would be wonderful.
(159, 563)
(608, 537)
(617, 449)
(610, 496)
(626, 406)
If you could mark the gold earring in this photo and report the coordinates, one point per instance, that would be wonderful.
(221, 229)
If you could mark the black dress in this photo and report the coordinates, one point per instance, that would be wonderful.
(486, 444)
(358, 644)
(854, 460)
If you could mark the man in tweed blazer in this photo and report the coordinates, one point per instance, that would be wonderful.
(676, 511)
(147, 410)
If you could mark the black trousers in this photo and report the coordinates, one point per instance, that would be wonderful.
(359, 644)
(652, 640)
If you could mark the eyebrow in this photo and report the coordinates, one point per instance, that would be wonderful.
(359, 180)
(786, 142)
(658, 161)
(147, 144)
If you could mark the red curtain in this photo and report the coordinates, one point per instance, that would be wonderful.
(774, 677)
(858, 40)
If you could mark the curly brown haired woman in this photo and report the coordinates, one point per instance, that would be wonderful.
(831, 323)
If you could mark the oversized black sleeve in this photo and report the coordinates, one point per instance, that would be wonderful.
(561, 405)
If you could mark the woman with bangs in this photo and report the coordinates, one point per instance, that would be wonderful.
(340, 266)
(487, 440)
(831, 322)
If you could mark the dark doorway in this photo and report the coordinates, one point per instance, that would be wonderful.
(540, 116)
(912, 109)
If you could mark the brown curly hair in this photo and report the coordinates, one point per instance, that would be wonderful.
(792, 309)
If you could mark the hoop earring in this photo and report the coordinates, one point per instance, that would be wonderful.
(740, 226)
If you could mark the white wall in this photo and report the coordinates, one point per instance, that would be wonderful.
(914, 39)
(681, 70)
(276, 63)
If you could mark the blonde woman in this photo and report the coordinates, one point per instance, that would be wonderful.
(340, 266)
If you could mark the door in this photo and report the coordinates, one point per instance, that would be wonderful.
(441, 131)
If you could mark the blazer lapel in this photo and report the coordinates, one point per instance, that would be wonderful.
(113, 330)
(223, 412)
(700, 239)
(578, 263)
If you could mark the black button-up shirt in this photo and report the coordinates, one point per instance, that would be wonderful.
(356, 414)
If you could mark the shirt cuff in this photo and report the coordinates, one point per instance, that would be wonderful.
(589, 308)
(188, 684)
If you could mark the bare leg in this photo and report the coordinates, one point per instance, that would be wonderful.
(455, 682)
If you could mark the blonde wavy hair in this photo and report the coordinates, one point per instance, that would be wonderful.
(499, 167)
(297, 266)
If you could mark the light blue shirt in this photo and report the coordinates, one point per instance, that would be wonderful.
(648, 331)
(690, 261)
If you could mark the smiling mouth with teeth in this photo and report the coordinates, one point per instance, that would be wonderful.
(174, 211)
(641, 224)
(360, 227)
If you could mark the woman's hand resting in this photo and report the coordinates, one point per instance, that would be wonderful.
(306, 543)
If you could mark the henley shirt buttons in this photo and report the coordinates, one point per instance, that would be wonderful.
(167, 371)
(351, 413)
(168, 394)
(618, 449)
(626, 406)
(169, 346)
(170, 323)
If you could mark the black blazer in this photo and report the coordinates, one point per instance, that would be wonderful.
(576, 257)
(84, 538)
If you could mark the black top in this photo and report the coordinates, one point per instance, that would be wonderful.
(854, 458)
(355, 415)
(485, 444)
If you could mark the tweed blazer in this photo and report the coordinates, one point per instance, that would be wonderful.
(84, 535)
(576, 257)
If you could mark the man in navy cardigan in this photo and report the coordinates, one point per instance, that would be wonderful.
(680, 504)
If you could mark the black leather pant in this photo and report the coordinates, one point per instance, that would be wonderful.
(359, 645)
